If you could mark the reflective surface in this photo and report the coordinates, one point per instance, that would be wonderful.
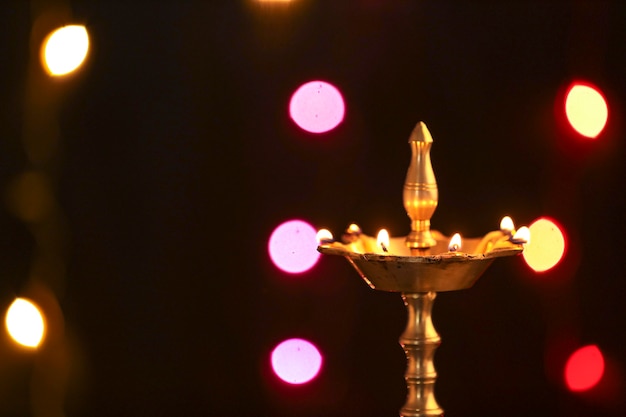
(444, 271)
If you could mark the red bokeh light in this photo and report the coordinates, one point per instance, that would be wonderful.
(584, 368)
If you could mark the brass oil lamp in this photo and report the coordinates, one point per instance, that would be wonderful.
(420, 265)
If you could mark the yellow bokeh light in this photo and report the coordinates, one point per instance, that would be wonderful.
(65, 49)
(586, 110)
(25, 323)
(546, 246)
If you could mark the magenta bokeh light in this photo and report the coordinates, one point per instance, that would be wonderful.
(293, 246)
(296, 361)
(584, 368)
(317, 107)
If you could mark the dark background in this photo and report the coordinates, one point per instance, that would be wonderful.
(177, 159)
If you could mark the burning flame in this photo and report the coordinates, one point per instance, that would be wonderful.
(353, 228)
(455, 243)
(324, 236)
(382, 241)
(522, 235)
(506, 225)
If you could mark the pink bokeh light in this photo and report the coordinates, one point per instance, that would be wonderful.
(296, 361)
(317, 107)
(292, 246)
(584, 368)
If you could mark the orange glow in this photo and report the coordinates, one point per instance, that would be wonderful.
(455, 243)
(65, 49)
(546, 247)
(25, 323)
(382, 241)
(584, 368)
(586, 110)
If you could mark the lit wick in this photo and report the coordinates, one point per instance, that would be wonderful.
(522, 236)
(324, 237)
(354, 229)
(352, 234)
(382, 240)
(455, 243)
(506, 226)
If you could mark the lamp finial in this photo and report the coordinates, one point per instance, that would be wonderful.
(420, 190)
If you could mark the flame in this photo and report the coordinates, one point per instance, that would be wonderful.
(522, 235)
(382, 241)
(455, 243)
(353, 228)
(324, 236)
(506, 225)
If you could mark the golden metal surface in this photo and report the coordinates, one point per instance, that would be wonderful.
(420, 193)
(418, 279)
(418, 266)
(445, 271)
(419, 341)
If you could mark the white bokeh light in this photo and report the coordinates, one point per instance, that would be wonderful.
(25, 323)
(65, 49)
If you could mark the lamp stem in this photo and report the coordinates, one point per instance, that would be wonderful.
(419, 341)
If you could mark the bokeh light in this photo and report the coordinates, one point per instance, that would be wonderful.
(586, 109)
(25, 323)
(65, 49)
(296, 361)
(546, 246)
(317, 107)
(584, 368)
(293, 246)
